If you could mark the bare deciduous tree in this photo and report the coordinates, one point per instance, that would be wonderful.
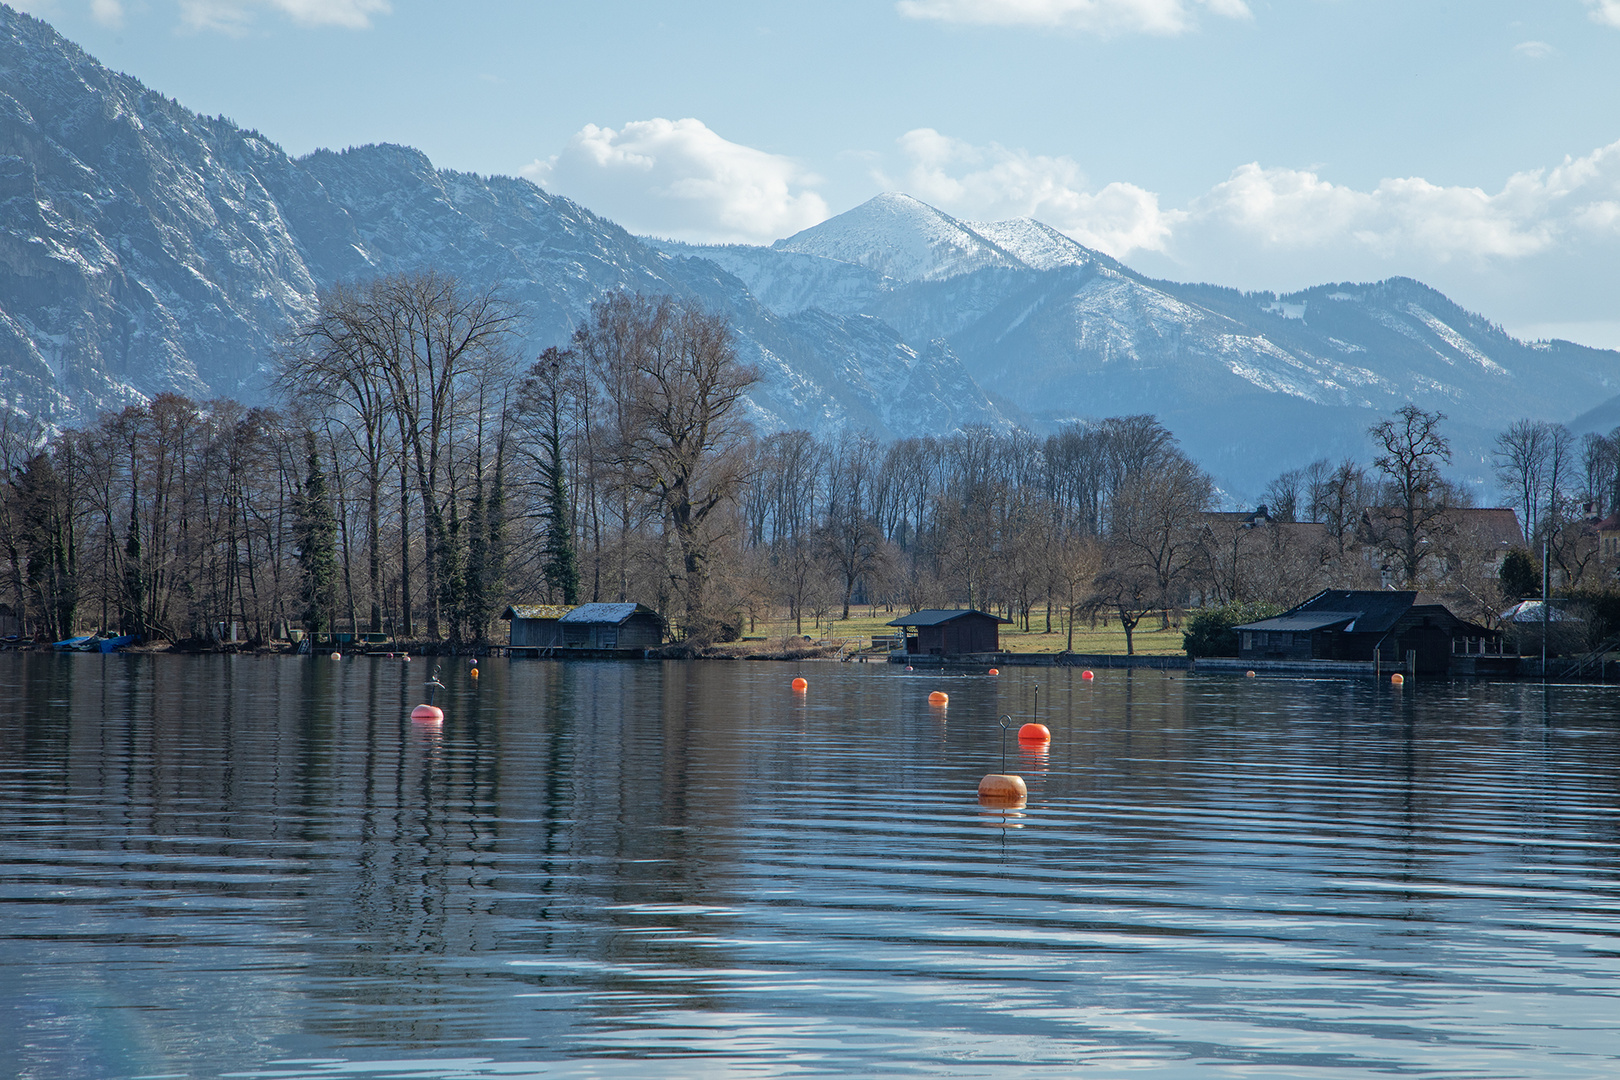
(670, 378)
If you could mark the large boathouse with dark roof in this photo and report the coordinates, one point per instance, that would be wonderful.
(1362, 625)
(950, 633)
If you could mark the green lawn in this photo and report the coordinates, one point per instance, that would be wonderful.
(862, 625)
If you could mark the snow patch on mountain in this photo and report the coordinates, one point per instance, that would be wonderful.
(1034, 243)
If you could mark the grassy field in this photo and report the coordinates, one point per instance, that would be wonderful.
(863, 624)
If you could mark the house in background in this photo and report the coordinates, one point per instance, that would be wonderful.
(950, 633)
(1461, 540)
(1364, 625)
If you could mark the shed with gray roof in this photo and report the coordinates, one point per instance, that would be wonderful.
(612, 626)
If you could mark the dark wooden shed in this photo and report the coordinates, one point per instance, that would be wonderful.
(612, 626)
(535, 626)
(950, 633)
(1340, 624)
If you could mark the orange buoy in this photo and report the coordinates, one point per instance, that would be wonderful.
(1397, 679)
(908, 667)
(995, 671)
(1003, 787)
(801, 684)
(337, 656)
(1034, 733)
(429, 713)
(473, 672)
(939, 697)
(1087, 676)
(1248, 674)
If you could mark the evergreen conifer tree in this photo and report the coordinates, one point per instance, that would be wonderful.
(134, 585)
(315, 532)
(494, 569)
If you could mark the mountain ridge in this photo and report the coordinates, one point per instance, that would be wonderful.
(144, 248)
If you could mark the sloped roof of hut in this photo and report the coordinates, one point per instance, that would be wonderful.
(536, 611)
(936, 616)
(609, 614)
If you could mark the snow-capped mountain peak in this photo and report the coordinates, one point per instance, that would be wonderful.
(902, 238)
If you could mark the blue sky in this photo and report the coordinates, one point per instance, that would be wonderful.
(1258, 143)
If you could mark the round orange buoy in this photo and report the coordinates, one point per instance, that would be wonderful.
(1003, 787)
(473, 672)
(1087, 676)
(908, 667)
(1397, 679)
(1248, 674)
(939, 697)
(995, 671)
(1034, 733)
(337, 656)
(427, 712)
(801, 684)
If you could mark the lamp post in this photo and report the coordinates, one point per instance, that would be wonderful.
(1544, 611)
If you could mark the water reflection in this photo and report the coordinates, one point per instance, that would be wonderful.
(215, 864)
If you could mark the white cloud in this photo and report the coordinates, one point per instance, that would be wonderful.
(1273, 227)
(677, 178)
(1096, 16)
(234, 16)
(1410, 218)
(1606, 12)
(1534, 50)
(994, 182)
(108, 12)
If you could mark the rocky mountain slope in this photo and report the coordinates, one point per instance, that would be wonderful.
(144, 248)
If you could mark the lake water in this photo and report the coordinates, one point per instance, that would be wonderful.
(260, 867)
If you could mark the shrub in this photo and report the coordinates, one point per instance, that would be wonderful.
(1209, 632)
(1520, 577)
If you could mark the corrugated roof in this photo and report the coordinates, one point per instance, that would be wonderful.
(936, 616)
(1317, 620)
(612, 614)
(536, 611)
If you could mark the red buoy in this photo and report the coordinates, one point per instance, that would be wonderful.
(1087, 676)
(428, 713)
(994, 671)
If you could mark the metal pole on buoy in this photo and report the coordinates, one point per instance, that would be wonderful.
(430, 712)
(1003, 788)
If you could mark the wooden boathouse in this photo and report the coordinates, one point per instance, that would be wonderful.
(940, 632)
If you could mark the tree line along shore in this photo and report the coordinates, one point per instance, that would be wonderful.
(416, 477)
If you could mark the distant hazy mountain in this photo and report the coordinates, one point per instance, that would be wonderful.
(144, 248)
